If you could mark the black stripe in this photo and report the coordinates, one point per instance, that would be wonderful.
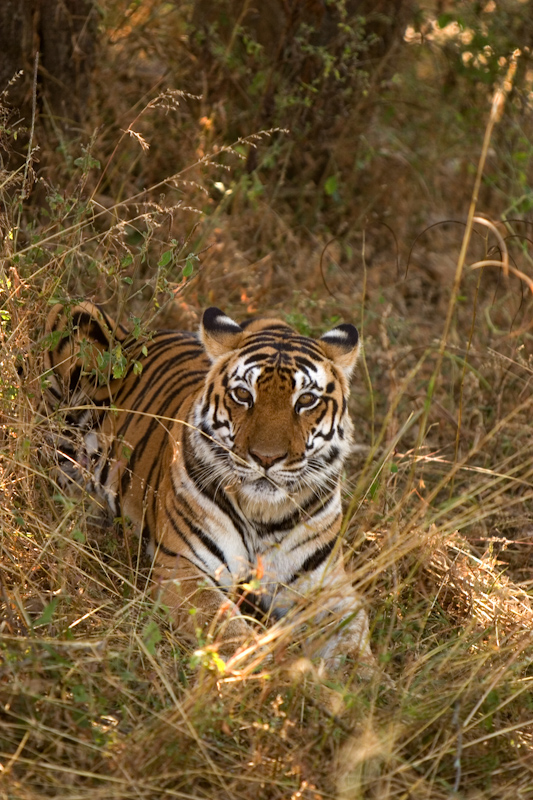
(208, 543)
(213, 492)
(74, 379)
(57, 394)
(104, 472)
(163, 409)
(289, 522)
(330, 457)
(117, 329)
(181, 536)
(173, 390)
(82, 319)
(252, 604)
(315, 560)
(313, 506)
(206, 540)
(152, 374)
(166, 550)
(216, 449)
(288, 347)
(205, 407)
(305, 363)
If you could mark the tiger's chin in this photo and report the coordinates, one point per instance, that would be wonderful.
(264, 490)
(265, 501)
(265, 508)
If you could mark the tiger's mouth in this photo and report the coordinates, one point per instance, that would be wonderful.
(264, 491)
(264, 484)
(274, 483)
(254, 482)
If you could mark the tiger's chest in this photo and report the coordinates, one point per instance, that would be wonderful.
(211, 528)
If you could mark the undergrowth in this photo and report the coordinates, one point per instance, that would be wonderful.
(98, 696)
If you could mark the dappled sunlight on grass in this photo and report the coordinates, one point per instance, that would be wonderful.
(99, 696)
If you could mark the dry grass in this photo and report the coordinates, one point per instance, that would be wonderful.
(98, 697)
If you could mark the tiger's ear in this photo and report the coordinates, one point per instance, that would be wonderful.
(219, 333)
(341, 345)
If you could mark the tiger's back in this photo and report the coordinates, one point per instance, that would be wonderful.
(226, 448)
(128, 446)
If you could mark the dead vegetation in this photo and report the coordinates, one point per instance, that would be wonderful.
(98, 697)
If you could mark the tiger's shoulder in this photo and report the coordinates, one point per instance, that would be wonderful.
(87, 352)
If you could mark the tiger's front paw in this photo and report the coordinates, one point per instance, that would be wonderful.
(335, 654)
(230, 631)
(236, 648)
(348, 636)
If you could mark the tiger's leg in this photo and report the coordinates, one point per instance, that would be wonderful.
(346, 633)
(340, 617)
(197, 606)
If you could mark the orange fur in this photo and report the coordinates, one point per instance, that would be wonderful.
(227, 449)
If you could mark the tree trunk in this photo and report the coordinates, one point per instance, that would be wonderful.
(64, 34)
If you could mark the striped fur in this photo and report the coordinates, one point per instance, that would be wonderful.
(226, 449)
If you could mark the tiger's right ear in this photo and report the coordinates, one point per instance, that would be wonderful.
(219, 333)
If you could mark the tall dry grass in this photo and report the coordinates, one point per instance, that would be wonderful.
(99, 697)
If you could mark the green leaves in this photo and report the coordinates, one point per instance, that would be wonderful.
(331, 188)
(112, 362)
(188, 269)
(166, 258)
(48, 613)
(86, 161)
(151, 636)
(331, 185)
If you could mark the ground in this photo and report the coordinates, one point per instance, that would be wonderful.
(157, 212)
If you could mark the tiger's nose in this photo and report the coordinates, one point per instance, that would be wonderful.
(266, 458)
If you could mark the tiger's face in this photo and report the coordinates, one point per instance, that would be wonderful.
(273, 417)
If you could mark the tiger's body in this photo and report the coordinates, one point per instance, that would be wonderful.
(227, 450)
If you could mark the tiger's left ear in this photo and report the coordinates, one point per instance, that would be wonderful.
(341, 345)
(219, 333)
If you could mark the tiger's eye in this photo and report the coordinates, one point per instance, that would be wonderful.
(307, 399)
(242, 395)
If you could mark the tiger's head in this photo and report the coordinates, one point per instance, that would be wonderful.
(272, 421)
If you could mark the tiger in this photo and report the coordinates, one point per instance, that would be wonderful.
(226, 448)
